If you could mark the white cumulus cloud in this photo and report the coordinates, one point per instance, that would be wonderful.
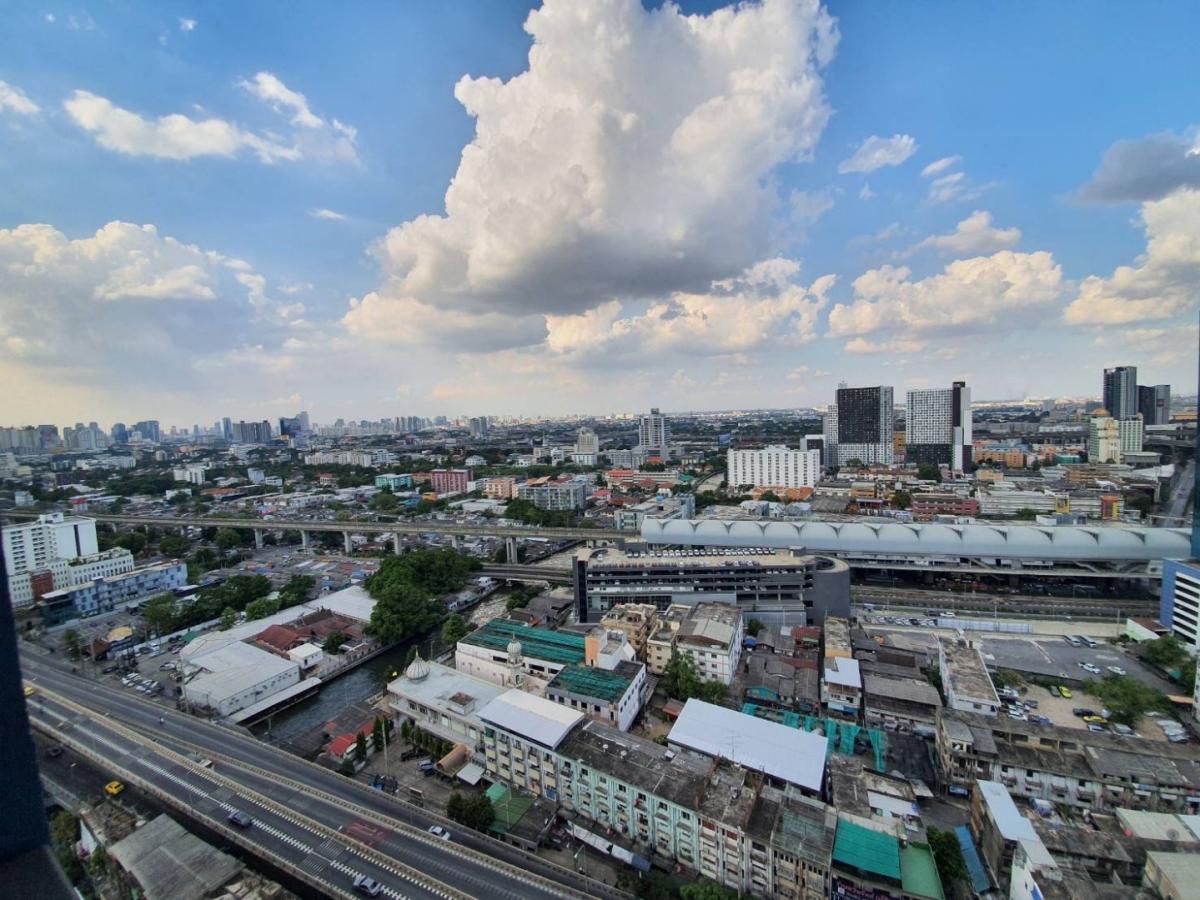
(14, 100)
(180, 137)
(973, 236)
(1166, 278)
(327, 214)
(938, 166)
(186, 25)
(967, 294)
(581, 186)
(877, 152)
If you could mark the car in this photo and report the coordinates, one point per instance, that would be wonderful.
(1095, 720)
(113, 788)
(368, 886)
(1091, 642)
(1064, 692)
(1116, 670)
(1099, 729)
(1071, 639)
(108, 670)
(30, 690)
(167, 667)
(240, 819)
(1090, 667)
(1122, 729)
(411, 754)
(54, 752)
(1031, 703)
(1082, 711)
(205, 763)
(439, 831)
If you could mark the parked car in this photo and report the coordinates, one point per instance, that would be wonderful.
(1122, 729)
(1099, 729)
(411, 754)
(108, 670)
(240, 819)
(1116, 670)
(54, 752)
(1090, 667)
(439, 831)
(113, 788)
(1095, 720)
(1082, 711)
(1064, 692)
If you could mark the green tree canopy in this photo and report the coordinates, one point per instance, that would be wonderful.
(754, 626)
(227, 539)
(401, 611)
(228, 618)
(1166, 652)
(1127, 698)
(454, 629)
(173, 545)
(261, 608)
(947, 854)
(929, 472)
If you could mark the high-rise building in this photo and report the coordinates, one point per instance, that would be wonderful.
(478, 426)
(227, 428)
(119, 433)
(862, 425)
(815, 442)
(938, 427)
(1154, 403)
(289, 426)
(586, 441)
(1109, 439)
(149, 430)
(40, 545)
(774, 466)
(654, 432)
(251, 432)
(1120, 392)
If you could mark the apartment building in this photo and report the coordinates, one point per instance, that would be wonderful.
(965, 679)
(451, 481)
(614, 696)
(500, 488)
(710, 633)
(927, 506)
(1179, 601)
(779, 587)
(938, 427)
(637, 620)
(512, 654)
(44, 549)
(106, 593)
(774, 466)
(554, 495)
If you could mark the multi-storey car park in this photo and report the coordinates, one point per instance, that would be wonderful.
(783, 586)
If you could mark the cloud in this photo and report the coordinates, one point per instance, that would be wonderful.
(877, 152)
(124, 304)
(181, 137)
(1160, 346)
(938, 166)
(327, 214)
(1164, 281)
(865, 192)
(13, 99)
(1148, 168)
(973, 236)
(580, 186)
(405, 320)
(806, 207)
(860, 345)
(186, 25)
(967, 295)
(764, 306)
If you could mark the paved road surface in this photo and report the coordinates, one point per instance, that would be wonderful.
(471, 872)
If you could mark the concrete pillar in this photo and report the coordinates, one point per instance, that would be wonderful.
(258, 538)
(349, 543)
(304, 540)
(396, 543)
(510, 551)
(456, 541)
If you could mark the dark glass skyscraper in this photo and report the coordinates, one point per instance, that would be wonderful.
(1120, 392)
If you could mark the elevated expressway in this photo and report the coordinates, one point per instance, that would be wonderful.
(317, 825)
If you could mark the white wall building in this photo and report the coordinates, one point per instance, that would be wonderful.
(235, 676)
(938, 427)
(774, 466)
(193, 473)
(45, 545)
(654, 432)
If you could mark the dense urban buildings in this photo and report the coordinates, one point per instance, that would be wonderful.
(938, 427)
(48, 544)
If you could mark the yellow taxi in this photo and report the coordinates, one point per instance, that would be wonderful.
(113, 788)
(30, 690)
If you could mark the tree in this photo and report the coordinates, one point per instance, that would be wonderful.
(929, 472)
(474, 812)
(72, 642)
(64, 832)
(261, 608)
(402, 611)
(901, 499)
(228, 618)
(360, 747)
(296, 591)
(454, 629)
(854, 463)
(706, 890)
(947, 853)
(377, 735)
(173, 545)
(159, 613)
(227, 539)
(133, 541)
(384, 501)
(334, 642)
(754, 626)
(770, 497)
(1166, 652)
(1127, 698)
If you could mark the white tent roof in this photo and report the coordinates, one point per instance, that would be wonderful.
(530, 716)
(793, 755)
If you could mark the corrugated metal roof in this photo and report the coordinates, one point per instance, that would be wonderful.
(536, 643)
(867, 850)
(918, 872)
(787, 753)
(535, 718)
(1011, 824)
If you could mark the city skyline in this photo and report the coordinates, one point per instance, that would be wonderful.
(223, 224)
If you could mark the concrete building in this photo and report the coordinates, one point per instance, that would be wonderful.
(925, 507)
(1179, 601)
(1120, 391)
(637, 620)
(841, 687)
(511, 654)
(859, 426)
(965, 679)
(444, 702)
(902, 704)
(938, 427)
(192, 473)
(587, 443)
(500, 488)
(774, 466)
(630, 518)
(451, 481)
(103, 594)
(627, 459)
(654, 433)
(614, 696)
(45, 546)
(395, 482)
(1154, 404)
(710, 633)
(778, 587)
(554, 495)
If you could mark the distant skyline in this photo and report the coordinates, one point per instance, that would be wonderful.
(506, 208)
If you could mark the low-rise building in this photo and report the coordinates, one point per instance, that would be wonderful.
(395, 482)
(235, 676)
(899, 703)
(841, 686)
(637, 620)
(965, 678)
(712, 636)
(555, 495)
(444, 702)
(613, 696)
(500, 488)
(101, 595)
(512, 654)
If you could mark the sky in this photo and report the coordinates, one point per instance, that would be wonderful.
(588, 206)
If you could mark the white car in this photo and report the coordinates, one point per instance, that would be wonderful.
(1089, 667)
(439, 831)
(1116, 670)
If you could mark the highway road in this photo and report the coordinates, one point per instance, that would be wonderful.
(471, 865)
(1175, 512)
(549, 574)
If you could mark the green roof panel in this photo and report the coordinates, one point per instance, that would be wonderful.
(867, 850)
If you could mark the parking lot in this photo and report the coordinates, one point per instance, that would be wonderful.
(150, 680)
(1055, 658)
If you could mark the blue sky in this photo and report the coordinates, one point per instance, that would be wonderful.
(242, 209)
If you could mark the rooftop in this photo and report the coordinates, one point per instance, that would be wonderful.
(910, 690)
(795, 756)
(590, 681)
(644, 556)
(867, 850)
(173, 864)
(444, 687)
(843, 672)
(964, 672)
(536, 643)
(536, 718)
